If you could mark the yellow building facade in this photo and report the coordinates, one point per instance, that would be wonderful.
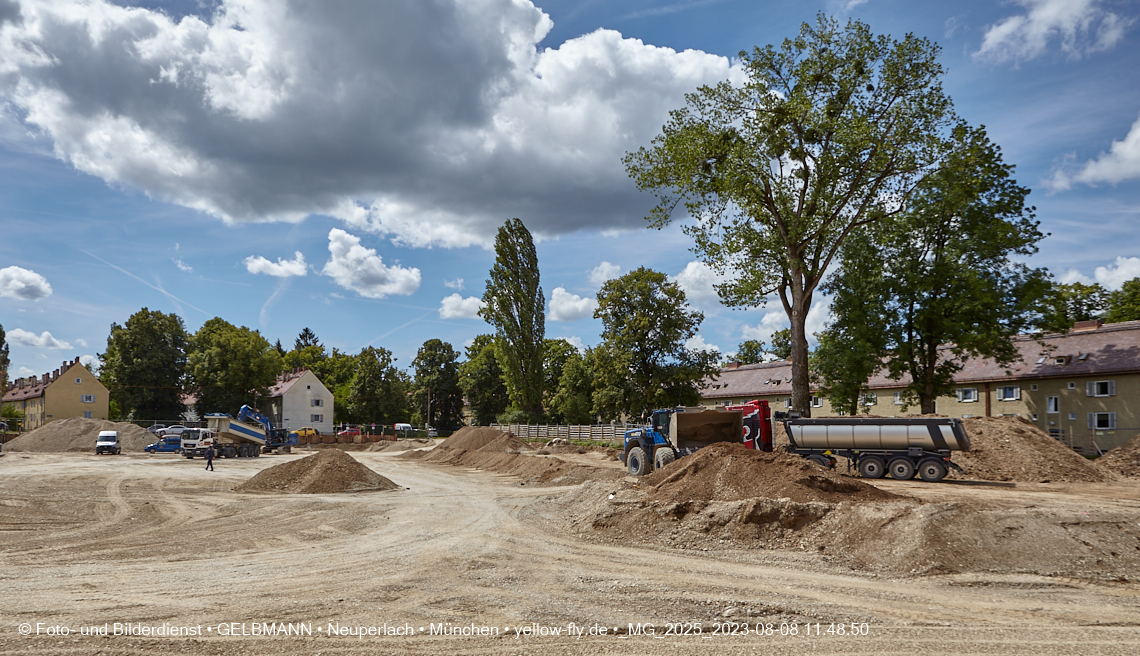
(70, 391)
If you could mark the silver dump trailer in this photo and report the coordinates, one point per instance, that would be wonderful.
(902, 447)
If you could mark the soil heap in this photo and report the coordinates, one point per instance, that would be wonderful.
(1013, 449)
(729, 471)
(1123, 460)
(328, 471)
(77, 434)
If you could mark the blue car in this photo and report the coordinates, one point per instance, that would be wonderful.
(172, 444)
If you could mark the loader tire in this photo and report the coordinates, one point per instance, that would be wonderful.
(902, 469)
(931, 470)
(636, 462)
(871, 468)
(663, 457)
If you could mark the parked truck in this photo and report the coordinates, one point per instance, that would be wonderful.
(239, 437)
(677, 432)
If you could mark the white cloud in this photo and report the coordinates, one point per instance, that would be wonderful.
(1081, 25)
(92, 363)
(1120, 163)
(565, 306)
(1112, 277)
(697, 343)
(697, 279)
(363, 271)
(603, 272)
(851, 4)
(457, 307)
(16, 282)
(819, 315)
(1072, 275)
(769, 323)
(280, 269)
(423, 114)
(24, 372)
(456, 284)
(576, 342)
(182, 265)
(43, 340)
(81, 342)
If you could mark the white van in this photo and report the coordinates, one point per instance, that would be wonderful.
(108, 442)
(404, 427)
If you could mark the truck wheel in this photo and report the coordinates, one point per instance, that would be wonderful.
(636, 462)
(871, 468)
(821, 461)
(902, 469)
(931, 470)
(662, 457)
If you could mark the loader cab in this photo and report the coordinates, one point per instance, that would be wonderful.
(661, 421)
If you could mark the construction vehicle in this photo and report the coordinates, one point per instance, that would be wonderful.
(677, 432)
(757, 417)
(237, 438)
(901, 447)
(276, 439)
(195, 441)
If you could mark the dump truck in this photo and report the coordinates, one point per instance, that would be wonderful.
(678, 432)
(901, 447)
(230, 438)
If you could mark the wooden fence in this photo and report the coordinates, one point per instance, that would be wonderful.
(603, 432)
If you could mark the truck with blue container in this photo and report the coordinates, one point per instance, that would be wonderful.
(247, 436)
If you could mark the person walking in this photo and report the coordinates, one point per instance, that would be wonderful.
(210, 458)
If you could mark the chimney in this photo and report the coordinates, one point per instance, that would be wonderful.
(732, 365)
(1084, 326)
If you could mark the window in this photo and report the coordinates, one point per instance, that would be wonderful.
(870, 398)
(87, 398)
(1053, 405)
(1033, 387)
(87, 414)
(1100, 388)
(316, 419)
(787, 401)
(317, 403)
(308, 387)
(1102, 420)
(1041, 360)
(1009, 393)
(967, 394)
(816, 402)
(78, 381)
(1060, 360)
(898, 398)
(1072, 386)
(1034, 416)
(1072, 416)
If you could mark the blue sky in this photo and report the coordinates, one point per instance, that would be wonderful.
(180, 155)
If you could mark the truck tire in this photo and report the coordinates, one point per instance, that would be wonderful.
(663, 456)
(902, 469)
(822, 461)
(931, 470)
(636, 462)
(871, 467)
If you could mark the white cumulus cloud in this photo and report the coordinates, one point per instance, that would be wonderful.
(576, 342)
(1082, 26)
(565, 306)
(25, 284)
(1120, 163)
(1111, 277)
(92, 363)
(280, 269)
(361, 270)
(457, 307)
(697, 280)
(43, 340)
(697, 343)
(456, 284)
(603, 272)
(24, 372)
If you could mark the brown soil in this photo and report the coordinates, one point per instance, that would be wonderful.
(327, 471)
(729, 471)
(470, 438)
(1012, 449)
(399, 445)
(77, 434)
(1123, 460)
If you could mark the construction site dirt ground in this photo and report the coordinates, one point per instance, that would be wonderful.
(89, 542)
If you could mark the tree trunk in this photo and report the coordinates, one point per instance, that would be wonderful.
(797, 310)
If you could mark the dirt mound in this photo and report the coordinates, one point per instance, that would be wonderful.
(328, 471)
(475, 440)
(398, 445)
(1123, 460)
(1012, 449)
(470, 438)
(729, 471)
(77, 434)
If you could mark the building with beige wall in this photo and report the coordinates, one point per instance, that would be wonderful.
(1082, 387)
(70, 391)
(299, 399)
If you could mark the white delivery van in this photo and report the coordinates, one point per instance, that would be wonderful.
(108, 442)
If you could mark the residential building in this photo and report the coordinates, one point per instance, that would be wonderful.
(300, 399)
(1082, 387)
(70, 391)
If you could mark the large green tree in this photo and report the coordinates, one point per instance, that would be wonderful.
(645, 326)
(144, 366)
(572, 401)
(230, 367)
(438, 399)
(941, 283)
(1124, 304)
(829, 133)
(4, 361)
(378, 393)
(750, 351)
(481, 379)
(1066, 304)
(515, 306)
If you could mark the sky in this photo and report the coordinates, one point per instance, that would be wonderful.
(343, 165)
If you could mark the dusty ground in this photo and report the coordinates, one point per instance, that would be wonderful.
(88, 541)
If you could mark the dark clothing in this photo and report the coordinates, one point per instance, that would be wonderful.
(210, 459)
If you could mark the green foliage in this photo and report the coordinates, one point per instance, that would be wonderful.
(144, 366)
(825, 137)
(378, 392)
(10, 411)
(1124, 305)
(644, 363)
(114, 412)
(1065, 305)
(305, 339)
(5, 362)
(750, 351)
(556, 353)
(481, 379)
(230, 367)
(515, 306)
(437, 397)
(782, 344)
(572, 401)
(937, 285)
(307, 357)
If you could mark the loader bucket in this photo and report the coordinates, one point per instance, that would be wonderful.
(697, 427)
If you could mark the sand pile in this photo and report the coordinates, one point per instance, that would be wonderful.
(1012, 449)
(470, 438)
(1123, 460)
(729, 471)
(398, 445)
(327, 471)
(77, 434)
